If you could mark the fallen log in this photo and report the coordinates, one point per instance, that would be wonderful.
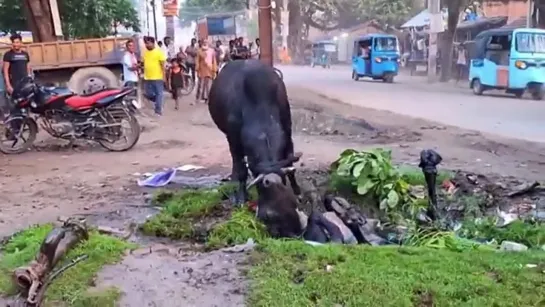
(32, 280)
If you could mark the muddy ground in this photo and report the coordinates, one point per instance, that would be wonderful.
(53, 180)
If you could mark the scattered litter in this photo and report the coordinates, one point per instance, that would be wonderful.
(248, 246)
(523, 189)
(505, 218)
(189, 167)
(531, 266)
(509, 246)
(159, 179)
(313, 243)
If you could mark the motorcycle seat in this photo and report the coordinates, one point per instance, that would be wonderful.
(78, 102)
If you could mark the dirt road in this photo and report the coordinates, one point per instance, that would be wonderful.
(53, 180)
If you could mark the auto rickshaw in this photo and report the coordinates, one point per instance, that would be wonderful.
(322, 53)
(509, 59)
(376, 56)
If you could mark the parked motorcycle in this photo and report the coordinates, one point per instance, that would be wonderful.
(100, 116)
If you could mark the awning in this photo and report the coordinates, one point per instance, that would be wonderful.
(420, 20)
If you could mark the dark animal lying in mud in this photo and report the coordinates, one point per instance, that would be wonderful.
(248, 102)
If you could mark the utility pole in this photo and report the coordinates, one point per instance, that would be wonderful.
(529, 15)
(265, 31)
(154, 19)
(436, 25)
(147, 16)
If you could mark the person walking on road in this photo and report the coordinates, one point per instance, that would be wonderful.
(191, 55)
(175, 81)
(206, 67)
(154, 74)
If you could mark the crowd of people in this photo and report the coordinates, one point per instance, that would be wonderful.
(161, 68)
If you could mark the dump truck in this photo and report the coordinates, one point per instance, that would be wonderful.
(82, 65)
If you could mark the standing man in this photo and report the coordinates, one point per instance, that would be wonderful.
(169, 48)
(154, 73)
(206, 70)
(16, 64)
(257, 54)
(191, 53)
(461, 62)
(130, 65)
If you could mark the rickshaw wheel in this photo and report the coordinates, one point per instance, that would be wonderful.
(477, 87)
(355, 76)
(538, 95)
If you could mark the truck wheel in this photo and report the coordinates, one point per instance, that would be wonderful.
(91, 79)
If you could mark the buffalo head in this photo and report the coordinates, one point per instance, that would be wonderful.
(277, 206)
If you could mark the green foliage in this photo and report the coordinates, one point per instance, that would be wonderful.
(372, 174)
(242, 226)
(415, 176)
(364, 276)
(80, 18)
(70, 288)
(182, 211)
(179, 211)
(531, 234)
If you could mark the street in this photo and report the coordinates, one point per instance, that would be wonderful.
(501, 114)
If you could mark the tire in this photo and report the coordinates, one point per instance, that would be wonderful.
(133, 137)
(355, 76)
(389, 78)
(91, 79)
(477, 87)
(519, 93)
(538, 95)
(5, 131)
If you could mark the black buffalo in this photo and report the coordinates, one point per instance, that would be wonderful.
(248, 102)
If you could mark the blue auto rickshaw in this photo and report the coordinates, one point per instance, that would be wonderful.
(322, 52)
(509, 59)
(376, 56)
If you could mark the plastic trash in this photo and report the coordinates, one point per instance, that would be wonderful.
(159, 179)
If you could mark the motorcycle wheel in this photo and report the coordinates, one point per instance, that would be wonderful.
(190, 85)
(8, 145)
(124, 141)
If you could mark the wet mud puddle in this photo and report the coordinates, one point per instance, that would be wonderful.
(168, 273)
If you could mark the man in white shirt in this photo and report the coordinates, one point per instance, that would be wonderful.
(168, 47)
(130, 65)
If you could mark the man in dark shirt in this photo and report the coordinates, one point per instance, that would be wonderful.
(16, 65)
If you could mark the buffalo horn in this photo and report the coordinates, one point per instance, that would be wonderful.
(286, 170)
(255, 181)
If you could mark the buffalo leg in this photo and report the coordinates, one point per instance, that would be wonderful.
(240, 171)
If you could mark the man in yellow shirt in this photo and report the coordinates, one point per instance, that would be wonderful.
(154, 73)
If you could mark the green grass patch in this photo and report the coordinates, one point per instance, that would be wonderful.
(296, 274)
(70, 288)
(414, 176)
(531, 234)
(241, 226)
(181, 211)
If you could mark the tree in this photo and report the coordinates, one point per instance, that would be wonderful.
(80, 18)
(446, 41)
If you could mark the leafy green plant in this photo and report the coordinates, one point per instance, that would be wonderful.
(371, 173)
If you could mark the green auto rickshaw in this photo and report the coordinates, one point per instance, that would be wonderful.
(322, 52)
